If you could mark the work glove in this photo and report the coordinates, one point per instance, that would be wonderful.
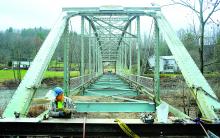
(67, 111)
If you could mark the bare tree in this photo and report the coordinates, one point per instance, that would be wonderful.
(203, 9)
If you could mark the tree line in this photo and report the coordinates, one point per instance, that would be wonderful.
(19, 45)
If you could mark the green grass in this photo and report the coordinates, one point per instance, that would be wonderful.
(212, 74)
(51, 74)
(8, 74)
(169, 75)
(56, 64)
(59, 64)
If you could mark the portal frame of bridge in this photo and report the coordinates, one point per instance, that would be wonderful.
(204, 95)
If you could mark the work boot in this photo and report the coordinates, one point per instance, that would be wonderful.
(67, 114)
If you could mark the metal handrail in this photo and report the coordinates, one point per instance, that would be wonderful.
(76, 82)
(140, 80)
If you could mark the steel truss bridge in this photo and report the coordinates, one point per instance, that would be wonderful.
(110, 35)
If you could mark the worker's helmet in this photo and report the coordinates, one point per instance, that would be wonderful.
(58, 91)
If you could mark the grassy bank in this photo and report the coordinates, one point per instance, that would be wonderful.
(9, 74)
(207, 75)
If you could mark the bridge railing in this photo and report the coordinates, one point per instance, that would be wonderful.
(146, 82)
(80, 81)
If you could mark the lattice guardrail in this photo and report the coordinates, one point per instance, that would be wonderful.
(78, 81)
(146, 82)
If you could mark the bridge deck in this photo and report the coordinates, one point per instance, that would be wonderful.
(110, 85)
(113, 95)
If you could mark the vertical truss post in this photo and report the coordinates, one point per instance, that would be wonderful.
(66, 60)
(139, 46)
(93, 55)
(90, 58)
(119, 60)
(116, 65)
(97, 59)
(130, 51)
(125, 46)
(121, 53)
(157, 64)
(121, 64)
(100, 62)
(102, 69)
(82, 48)
(122, 57)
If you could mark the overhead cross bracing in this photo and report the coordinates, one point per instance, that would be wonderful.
(110, 31)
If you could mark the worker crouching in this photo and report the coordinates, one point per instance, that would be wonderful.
(61, 106)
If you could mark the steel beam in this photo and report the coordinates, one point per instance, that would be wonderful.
(122, 57)
(157, 64)
(121, 64)
(22, 97)
(125, 64)
(114, 19)
(66, 60)
(124, 11)
(110, 32)
(115, 26)
(125, 28)
(99, 62)
(94, 29)
(82, 49)
(90, 58)
(96, 59)
(110, 25)
(115, 107)
(118, 61)
(139, 47)
(130, 56)
(93, 55)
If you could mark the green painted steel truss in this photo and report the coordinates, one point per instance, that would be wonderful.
(115, 107)
(111, 29)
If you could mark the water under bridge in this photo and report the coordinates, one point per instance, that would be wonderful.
(114, 38)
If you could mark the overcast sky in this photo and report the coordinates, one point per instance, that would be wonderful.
(35, 13)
